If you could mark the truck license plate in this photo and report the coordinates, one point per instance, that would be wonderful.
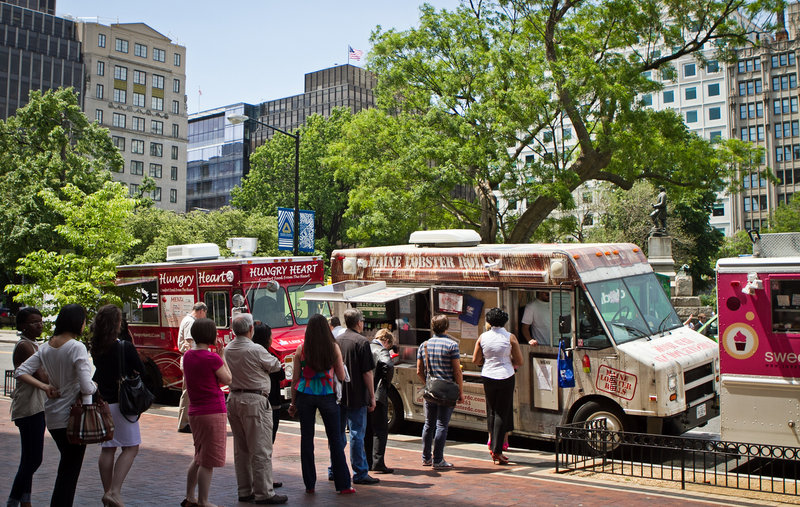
(701, 410)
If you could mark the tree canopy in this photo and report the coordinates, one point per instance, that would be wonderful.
(470, 91)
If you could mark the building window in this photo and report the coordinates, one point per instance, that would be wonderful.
(712, 66)
(156, 194)
(173, 195)
(157, 103)
(690, 93)
(158, 81)
(155, 171)
(138, 99)
(156, 127)
(173, 173)
(119, 142)
(669, 96)
(118, 120)
(121, 45)
(159, 55)
(715, 135)
(759, 109)
(691, 116)
(713, 89)
(174, 153)
(101, 40)
(176, 131)
(120, 73)
(120, 95)
(176, 107)
(647, 100)
(98, 115)
(134, 190)
(140, 50)
(689, 70)
(139, 77)
(137, 167)
(99, 91)
(714, 113)
(176, 85)
(177, 60)
(156, 149)
(718, 210)
(101, 68)
(760, 130)
(137, 123)
(137, 146)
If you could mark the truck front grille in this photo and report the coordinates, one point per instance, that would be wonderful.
(699, 383)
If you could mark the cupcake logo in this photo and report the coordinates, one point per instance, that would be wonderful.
(740, 341)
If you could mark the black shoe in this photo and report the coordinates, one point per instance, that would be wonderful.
(276, 485)
(185, 429)
(384, 470)
(247, 499)
(274, 499)
(367, 480)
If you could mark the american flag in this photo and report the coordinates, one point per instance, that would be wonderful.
(354, 54)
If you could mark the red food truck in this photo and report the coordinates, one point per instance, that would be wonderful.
(159, 295)
(759, 342)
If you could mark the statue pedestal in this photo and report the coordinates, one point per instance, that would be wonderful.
(659, 255)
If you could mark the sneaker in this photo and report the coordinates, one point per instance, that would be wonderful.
(274, 499)
(348, 491)
(383, 470)
(366, 480)
(442, 465)
(427, 462)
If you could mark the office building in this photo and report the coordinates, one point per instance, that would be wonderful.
(38, 51)
(219, 153)
(135, 87)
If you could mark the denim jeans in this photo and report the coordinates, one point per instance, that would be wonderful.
(356, 419)
(31, 433)
(307, 406)
(437, 418)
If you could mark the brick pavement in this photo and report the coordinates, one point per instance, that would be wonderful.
(158, 475)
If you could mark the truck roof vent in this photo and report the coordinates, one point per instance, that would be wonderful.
(192, 252)
(242, 247)
(445, 237)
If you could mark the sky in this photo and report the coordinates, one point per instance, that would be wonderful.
(255, 50)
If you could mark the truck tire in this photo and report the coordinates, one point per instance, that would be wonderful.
(396, 416)
(597, 444)
(153, 380)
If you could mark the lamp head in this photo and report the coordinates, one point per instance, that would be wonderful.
(237, 118)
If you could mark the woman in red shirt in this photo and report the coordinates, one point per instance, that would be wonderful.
(203, 372)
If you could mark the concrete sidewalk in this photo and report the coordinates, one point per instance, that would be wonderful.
(158, 475)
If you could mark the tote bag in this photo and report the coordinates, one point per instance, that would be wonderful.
(566, 374)
(90, 423)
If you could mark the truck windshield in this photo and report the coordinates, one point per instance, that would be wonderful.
(303, 310)
(633, 307)
(271, 308)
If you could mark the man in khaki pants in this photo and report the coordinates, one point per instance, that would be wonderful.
(250, 414)
(186, 342)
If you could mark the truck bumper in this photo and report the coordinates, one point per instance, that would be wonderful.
(695, 416)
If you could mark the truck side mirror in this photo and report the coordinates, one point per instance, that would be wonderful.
(564, 324)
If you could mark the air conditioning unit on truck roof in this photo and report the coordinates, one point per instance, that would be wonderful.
(192, 252)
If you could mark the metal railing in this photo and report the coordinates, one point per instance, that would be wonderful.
(756, 467)
(10, 383)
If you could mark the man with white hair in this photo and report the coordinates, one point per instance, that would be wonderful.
(250, 414)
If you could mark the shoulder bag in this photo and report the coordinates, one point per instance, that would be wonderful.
(91, 423)
(437, 390)
(566, 374)
(134, 397)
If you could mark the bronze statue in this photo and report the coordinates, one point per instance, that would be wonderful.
(659, 214)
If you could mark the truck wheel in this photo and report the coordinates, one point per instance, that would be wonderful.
(598, 443)
(396, 416)
(152, 379)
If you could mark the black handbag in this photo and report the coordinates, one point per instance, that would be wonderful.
(134, 397)
(438, 390)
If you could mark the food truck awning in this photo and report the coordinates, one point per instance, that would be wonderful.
(122, 282)
(360, 292)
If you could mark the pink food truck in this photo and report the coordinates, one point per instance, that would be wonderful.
(759, 342)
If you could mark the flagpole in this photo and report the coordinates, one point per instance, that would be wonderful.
(348, 55)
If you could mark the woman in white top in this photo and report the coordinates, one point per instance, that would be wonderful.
(499, 353)
(66, 363)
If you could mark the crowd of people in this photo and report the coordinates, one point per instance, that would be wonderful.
(338, 373)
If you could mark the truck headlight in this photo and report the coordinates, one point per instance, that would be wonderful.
(672, 382)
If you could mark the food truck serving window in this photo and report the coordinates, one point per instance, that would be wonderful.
(785, 296)
(141, 306)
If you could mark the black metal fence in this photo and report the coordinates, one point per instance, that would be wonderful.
(10, 383)
(756, 467)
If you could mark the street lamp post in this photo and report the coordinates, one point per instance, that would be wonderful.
(240, 118)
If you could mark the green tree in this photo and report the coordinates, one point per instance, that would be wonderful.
(270, 182)
(93, 227)
(46, 146)
(787, 217)
(473, 89)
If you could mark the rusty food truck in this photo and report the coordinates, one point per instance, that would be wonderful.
(636, 365)
(158, 296)
(759, 342)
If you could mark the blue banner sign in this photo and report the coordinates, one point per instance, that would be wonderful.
(286, 230)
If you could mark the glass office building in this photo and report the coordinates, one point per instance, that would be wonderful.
(38, 51)
(219, 152)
